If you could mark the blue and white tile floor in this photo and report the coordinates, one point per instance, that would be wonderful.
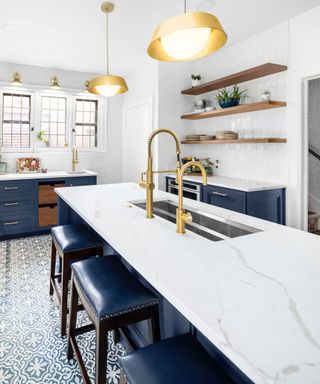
(31, 349)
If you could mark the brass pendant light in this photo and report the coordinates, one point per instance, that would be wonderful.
(107, 85)
(187, 37)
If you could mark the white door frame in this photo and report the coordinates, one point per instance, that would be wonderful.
(305, 150)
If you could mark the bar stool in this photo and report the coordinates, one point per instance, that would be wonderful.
(180, 359)
(113, 298)
(71, 242)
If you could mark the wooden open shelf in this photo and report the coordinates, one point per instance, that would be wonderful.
(236, 78)
(268, 104)
(238, 141)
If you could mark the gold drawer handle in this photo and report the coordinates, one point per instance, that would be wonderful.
(11, 204)
(12, 223)
(11, 188)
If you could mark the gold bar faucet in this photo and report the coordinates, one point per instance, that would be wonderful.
(183, 217)
(74, 158)
(148, 184)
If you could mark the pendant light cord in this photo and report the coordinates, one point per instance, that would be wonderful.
(107, 25)
(185, 6)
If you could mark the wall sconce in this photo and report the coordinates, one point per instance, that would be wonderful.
(55, 83)
(16, 79)
(86, 85)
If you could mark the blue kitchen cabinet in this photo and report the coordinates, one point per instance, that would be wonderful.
(266, 204)
(225, 198)
(20, 208)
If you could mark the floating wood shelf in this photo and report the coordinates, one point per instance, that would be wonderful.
(236, 78)
(268, 104)
(238, 141)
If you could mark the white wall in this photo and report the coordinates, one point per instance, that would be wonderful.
(304, 62)
(108, 164)
(143, 91)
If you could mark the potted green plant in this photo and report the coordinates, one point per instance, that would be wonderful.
(3, 165)
(42, 140)
(227, 99)
(195, 80)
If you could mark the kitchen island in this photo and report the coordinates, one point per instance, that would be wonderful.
(254, 297)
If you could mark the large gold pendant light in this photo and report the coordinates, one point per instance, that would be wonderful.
(187, 37)
(108, 85)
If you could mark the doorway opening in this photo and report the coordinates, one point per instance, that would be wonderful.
(313, 160)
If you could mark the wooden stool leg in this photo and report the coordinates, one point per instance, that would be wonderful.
(72, 318)
(64, 294)
(123, 379)
(52, 267)
(155, 326)
(101, 354)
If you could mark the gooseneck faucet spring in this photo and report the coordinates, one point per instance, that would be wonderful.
(148, 184)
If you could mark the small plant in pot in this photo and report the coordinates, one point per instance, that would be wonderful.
(195, 80)
(42, 140)
(3, 165)
(227, 99)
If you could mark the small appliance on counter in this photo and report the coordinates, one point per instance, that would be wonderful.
(28, 165)
(207, 163)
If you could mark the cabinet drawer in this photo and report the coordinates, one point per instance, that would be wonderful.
(46, 193)
(225, 198)
(17, 203)
(84, 180)
(47, 216)
(17, 223)
(15, 187)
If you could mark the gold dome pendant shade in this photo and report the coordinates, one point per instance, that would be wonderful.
(187, 37)
(107, 85)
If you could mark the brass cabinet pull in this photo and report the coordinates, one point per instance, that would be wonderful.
(10, 188)
(220, 194)
(11, 204)
(12, 223)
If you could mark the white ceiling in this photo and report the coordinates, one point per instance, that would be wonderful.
(70, 34)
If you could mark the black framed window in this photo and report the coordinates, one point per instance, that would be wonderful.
(16, 120)
(86, 123)
(54, 120)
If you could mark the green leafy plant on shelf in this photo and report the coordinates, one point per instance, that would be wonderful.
(230, 98)
(196, 77)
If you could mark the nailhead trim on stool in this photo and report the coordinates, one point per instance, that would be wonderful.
(113, 298)
(71, 242)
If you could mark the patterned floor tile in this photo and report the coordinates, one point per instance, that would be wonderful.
(31, 349)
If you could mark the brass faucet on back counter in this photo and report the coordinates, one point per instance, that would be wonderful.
(182, 217)
(74, 158)
(148, 184)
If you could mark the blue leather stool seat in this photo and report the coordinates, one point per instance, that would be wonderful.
(72, 238)
(180, 359)
(109, 288)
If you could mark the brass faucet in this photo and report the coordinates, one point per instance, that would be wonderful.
(148, 184)
(74, 158)
(183, 217)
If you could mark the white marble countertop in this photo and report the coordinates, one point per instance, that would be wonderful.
(235, 183)
(47, 175)
(255, 297)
